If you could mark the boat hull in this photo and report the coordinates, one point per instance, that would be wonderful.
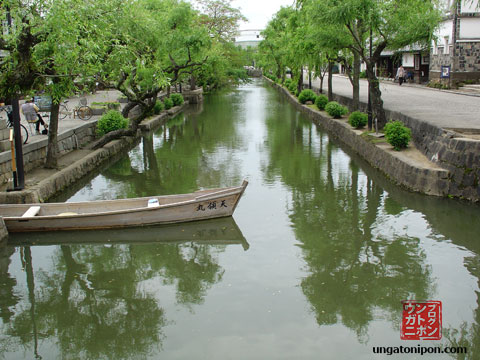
(207, 204)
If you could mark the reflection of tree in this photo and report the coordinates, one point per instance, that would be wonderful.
(468, 335)
(456, 221)
(8, 299)
(194, 147)
(352, 273)
(97, 303)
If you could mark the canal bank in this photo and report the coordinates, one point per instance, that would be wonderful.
(410, 168)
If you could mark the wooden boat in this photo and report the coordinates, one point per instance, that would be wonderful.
(167, 209)
(212, 232)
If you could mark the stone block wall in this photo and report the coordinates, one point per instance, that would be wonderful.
(34, 153)
(452, 151)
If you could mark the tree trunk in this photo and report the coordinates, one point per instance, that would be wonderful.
(310, 79)
(376, 96)
(51, 161)
(300, 81)
(321, 84)
(330, 77)
(193, 83)
(356, 80)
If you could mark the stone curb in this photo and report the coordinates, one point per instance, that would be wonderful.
(392, 164)
(46, 188)
(67, 176)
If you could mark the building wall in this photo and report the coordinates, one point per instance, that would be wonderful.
(458, 46)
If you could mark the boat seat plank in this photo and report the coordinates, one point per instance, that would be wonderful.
(32, 211)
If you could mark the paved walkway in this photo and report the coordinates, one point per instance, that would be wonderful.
(444, 109)
(70, 122)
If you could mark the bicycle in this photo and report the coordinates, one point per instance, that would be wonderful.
(9, 120)
(82, 110)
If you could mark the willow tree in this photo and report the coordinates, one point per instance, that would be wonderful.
(51, 47)
(273, 50)
(144, 57)
(394, 25)
(224, 64)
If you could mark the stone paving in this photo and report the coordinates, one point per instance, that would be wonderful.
(446, 109)
(69, 122)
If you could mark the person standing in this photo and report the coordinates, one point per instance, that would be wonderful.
(30, 111)
(401, 75)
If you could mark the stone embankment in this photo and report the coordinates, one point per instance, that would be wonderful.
(455, 150)
(453, 171)
(45, 185)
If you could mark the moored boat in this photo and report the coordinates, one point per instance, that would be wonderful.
(167, 209)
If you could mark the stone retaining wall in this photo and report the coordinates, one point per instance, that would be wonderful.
(449, 149)
(34, 153)
(458, 158)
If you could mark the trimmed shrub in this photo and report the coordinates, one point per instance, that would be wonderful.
(358, 119)
(363, 74)
(397, 134)
(335, 110)
(292, 88)
(307, 95)
(321, 101)
(158, 107)
(287, 82)
(168, 103)
(177, 99)
(111, 121)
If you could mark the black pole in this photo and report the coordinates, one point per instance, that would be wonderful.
(370, 116)
(16, 130)
(18, 145)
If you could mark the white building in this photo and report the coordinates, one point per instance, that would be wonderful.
(246, 38)
(455, 55)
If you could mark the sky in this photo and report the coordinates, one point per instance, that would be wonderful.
(259, 12)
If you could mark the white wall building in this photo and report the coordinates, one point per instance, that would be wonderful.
(455, 55)
(246, 38)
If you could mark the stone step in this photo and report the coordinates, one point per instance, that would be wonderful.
(472, 87)
(4, 134)
(4, 145)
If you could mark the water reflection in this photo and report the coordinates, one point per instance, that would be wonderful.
(335, 247)
(103, 300)
(352, 272)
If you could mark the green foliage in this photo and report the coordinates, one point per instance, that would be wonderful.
(113, 105)
(177, 99)
(158, 107)
(438, 85)
(307, 95)
(168, 103)
(397, 134)
(111, 121)
(363, 74)
(335, 110)
(321, 101)
(287, 82)
(358, 119)
(292, 88)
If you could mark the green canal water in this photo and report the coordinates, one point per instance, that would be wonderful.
(314, 264)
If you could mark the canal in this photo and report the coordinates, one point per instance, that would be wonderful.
(315, 263)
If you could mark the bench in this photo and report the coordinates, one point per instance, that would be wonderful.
(32, 211)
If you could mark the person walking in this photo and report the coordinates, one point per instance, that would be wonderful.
(30, 111)
(401, 75)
